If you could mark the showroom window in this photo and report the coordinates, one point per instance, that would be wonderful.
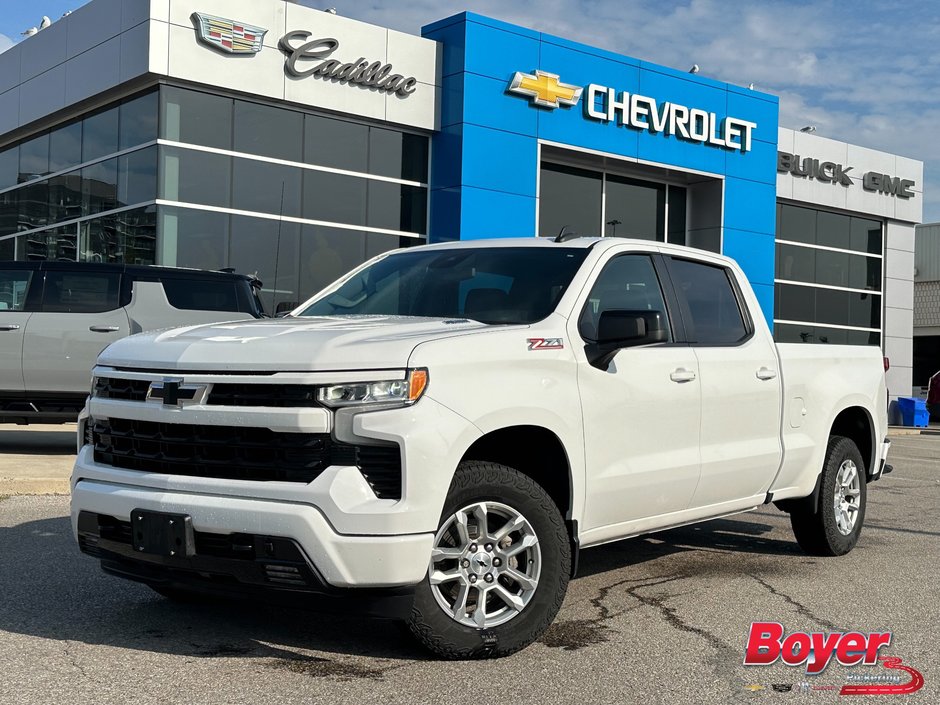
(828, 277)
(592, 202)
(296, 198)
(78, 178)
(275, 161)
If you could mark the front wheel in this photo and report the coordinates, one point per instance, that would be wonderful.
(834, 527)
(499, 566)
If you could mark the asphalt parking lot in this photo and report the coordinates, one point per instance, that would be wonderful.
(662, 618)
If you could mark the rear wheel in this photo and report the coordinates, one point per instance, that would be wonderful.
(499, 566)
(833, 528)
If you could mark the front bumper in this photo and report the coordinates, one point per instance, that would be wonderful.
(339, 560)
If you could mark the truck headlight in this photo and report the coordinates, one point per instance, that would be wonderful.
(393, 392)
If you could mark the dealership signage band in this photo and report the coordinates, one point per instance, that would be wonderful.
(233, 37)
(832, 173)
(300, 49)
(637, 111)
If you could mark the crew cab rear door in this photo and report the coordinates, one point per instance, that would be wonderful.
(80, 315)
(739, 378)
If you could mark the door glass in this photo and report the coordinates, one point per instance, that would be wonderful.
(715, 316)
(72, 292)
(13, 288)
(628, 283)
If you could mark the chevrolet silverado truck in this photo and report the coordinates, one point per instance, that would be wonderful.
(435, 436)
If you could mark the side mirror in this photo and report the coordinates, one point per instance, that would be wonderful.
(625, 329)
(284, 308)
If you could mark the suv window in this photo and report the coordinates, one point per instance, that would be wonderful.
(14, 285)
(627, 283)
(81, 292)
(201, 294)
(713, 313)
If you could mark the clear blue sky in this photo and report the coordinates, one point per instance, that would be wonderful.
(863, 71)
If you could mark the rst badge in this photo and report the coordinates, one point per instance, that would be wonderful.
(545, 343)
(228, 36)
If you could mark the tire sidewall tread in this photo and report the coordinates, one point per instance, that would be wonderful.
(477, 481)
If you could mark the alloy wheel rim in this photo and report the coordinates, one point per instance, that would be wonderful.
(847, 497)
(485, 565)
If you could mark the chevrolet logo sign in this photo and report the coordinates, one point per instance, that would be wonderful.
(545, 89)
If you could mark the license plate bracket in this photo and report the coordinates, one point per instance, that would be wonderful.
(163, 533)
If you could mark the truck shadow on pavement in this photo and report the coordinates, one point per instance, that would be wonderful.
(51, 591)
(24, 440)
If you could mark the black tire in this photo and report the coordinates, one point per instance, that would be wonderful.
(477, 481)
(816, 530)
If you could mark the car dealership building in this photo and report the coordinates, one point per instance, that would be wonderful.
(271, 137)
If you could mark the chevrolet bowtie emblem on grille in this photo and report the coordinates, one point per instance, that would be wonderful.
(172, 392)
(545, 89)
(229, 36)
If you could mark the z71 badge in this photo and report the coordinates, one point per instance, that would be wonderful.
(545, 343)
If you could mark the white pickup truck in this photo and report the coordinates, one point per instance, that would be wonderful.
(441, 431)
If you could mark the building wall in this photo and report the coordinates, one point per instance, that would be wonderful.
(107, 43)
(485, 161)
(899, 214)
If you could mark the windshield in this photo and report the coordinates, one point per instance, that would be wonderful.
(490, 285)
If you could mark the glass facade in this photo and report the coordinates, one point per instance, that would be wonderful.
(828, 281)
(182, 177)
(83, 190)
(590, 202)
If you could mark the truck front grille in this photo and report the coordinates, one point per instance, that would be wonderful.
(279, 395)
(239, 453)
(123, 389)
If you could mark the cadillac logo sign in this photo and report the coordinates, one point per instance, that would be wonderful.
(228, 36)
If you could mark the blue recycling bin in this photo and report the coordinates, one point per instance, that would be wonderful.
(913, 412)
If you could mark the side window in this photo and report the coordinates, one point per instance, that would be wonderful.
(14, 285)
(81, 292)
(201, 295)
(627, 283)
(713, 308)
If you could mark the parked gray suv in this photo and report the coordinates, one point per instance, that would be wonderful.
(55, 317)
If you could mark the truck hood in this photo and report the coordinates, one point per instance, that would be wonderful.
(307, 344)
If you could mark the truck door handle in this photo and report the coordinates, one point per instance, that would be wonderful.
(682, 375)
(9, 326)
(104, 329)
(766, 373)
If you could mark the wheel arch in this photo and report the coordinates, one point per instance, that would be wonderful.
(538, 453)
(856, 424)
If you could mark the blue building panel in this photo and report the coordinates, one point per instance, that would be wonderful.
(447, 157)
(485, 159)
(759, 164)
(757, 108)
(451, 33)
(496, 214)
(754, 252)
(750, 205)
(504, 52)
(499, 161)
(492, 107)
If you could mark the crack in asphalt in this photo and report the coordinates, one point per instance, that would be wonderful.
(73, 659)
(800, 607)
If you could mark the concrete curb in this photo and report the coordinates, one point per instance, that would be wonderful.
(909, 431)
